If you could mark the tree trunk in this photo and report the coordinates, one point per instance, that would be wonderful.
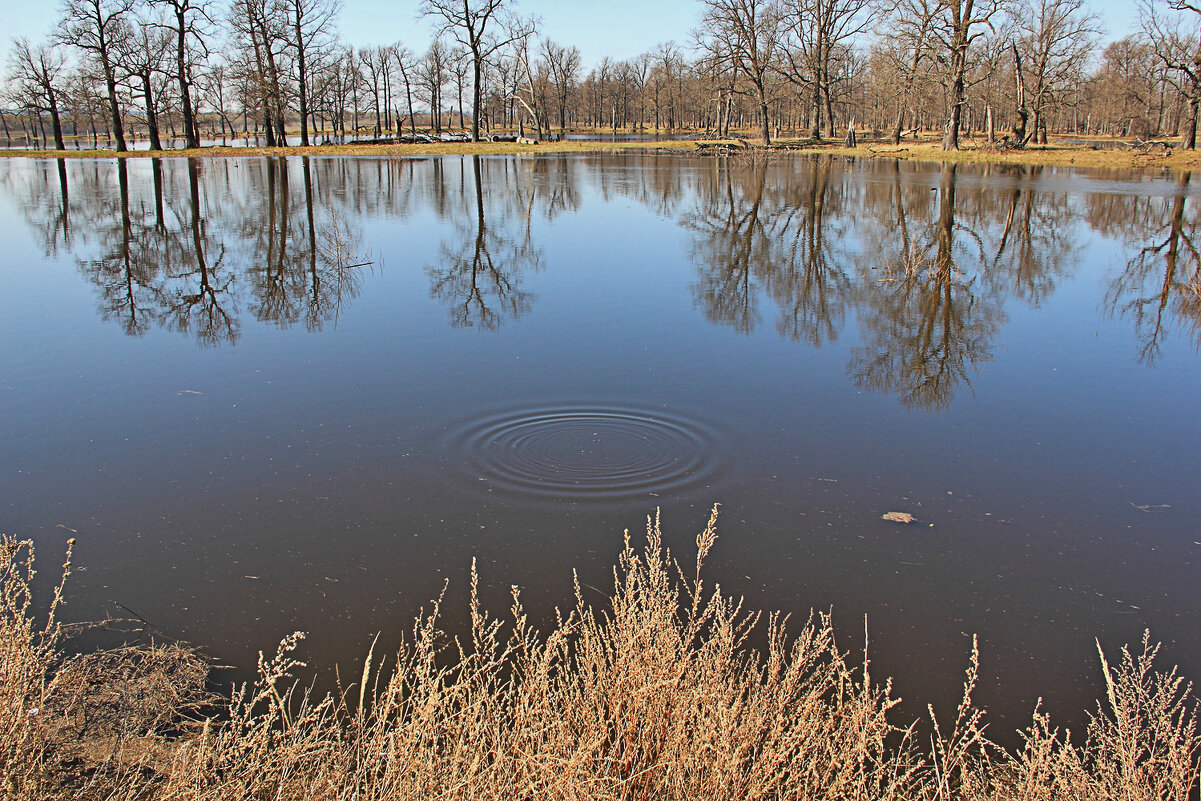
(765, 131)
(151, 117)
(114, 108)
(815, 131)
(829, 109)
(55, 124)
(1019, 78)
(900, 124)
(303, 75)
(409, 99)
(476, 70)
(191, 132)
(950, 139)
(1190, 130)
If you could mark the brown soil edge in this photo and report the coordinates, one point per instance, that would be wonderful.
(1065, 155)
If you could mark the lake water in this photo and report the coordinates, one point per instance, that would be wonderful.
(279, 394)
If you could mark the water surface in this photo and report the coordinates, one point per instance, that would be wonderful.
(279, 394)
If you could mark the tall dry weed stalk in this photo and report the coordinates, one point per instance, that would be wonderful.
(29, 654)
(657, 694)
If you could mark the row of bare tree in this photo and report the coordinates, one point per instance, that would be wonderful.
(1011, 70)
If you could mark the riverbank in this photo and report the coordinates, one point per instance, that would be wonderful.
(1100, 154)
(1093, 155)
(655, 693)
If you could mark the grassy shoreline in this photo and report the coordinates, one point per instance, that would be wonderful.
(1055, 154)
(657, 693)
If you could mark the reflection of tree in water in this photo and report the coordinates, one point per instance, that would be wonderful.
(731, 242)
(305, 269)
(555, 184)
(480, 269)
(926, 271)
(129, 262)
(753, 236)
(809, 282)
(196, 292)
(43, 189)
(645, 178)
(1033, 247)
(165, 254)
(1161, 284)
(926, 322)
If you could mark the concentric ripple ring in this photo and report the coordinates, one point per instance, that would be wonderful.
(594, 452)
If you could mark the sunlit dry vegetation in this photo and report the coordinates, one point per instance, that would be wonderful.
(1119, 157)
(657, 694)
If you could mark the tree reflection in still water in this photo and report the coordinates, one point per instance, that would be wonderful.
(754, 235)
(166, 255)
(1161, 284)
(926, 270)
(732, 246)
(196, 293)
(128, 264)
(303, 270)
(927, 322)
(1034, 245)
(479, 273)
(795, 244)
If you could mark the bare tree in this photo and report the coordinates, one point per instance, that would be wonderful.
(961, 24)
(188, 21)
(260, 28)
(530, 75)
(375, 62)
(563, 67)
(406, 64)
(432, 77)
(37, 74)
(1123, 88)
(473, 24)
(215, 87)
(458, 72)
(144, 56)
(1172, 26)
(909, 26)
(311, 31)
(97, 27)
(744, 36)
(1056, 37)
(666, 68)
(819, 31)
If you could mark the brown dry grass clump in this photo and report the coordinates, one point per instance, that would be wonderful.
(82, 724)
(657, 695)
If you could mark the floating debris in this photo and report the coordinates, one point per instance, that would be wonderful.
(898, 517)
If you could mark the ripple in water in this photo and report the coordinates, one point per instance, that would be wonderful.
(587, 453)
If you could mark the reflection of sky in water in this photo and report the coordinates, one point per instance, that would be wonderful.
(762, 309)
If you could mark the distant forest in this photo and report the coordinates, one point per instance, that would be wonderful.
(174, 73)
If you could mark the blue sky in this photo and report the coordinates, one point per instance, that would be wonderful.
(616, 28)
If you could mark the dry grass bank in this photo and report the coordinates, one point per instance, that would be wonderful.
(1068, 155)
(655, 695)
(419, 149)
(1101, 154)
(1064, 155)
